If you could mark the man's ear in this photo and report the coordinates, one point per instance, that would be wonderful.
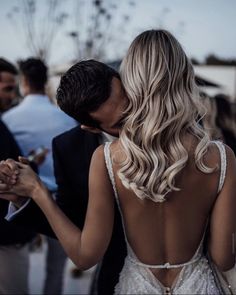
(90, 129)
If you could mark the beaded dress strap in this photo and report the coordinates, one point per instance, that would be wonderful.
(110, 169)
(223, 164)
(108, 162)
(167, 265)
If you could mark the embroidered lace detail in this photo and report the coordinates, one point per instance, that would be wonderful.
(193, 279)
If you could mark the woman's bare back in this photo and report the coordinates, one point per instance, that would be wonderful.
(170, 232)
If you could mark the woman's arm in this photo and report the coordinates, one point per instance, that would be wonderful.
(223, 219)
(84, 248)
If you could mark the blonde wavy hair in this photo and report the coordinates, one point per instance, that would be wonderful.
(163, 104)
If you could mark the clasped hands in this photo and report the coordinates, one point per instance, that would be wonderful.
(17, 180)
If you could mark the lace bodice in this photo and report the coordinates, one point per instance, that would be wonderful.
(142, 269)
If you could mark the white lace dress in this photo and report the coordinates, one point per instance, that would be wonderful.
(195, 276)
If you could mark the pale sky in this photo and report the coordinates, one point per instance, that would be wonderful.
(201, 26)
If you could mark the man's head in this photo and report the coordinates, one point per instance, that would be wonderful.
(33, 76)
(8, 84)
(91, 92)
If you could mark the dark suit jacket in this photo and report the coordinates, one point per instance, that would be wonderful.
(72, 152)
(10, 234)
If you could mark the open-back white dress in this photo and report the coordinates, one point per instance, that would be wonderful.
(195, 276)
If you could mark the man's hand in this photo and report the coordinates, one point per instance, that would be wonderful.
(8, 173)
(18, 178)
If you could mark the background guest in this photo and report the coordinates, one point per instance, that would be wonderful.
(14, 240)
(34, 122)
(8, 85)
(225, 120)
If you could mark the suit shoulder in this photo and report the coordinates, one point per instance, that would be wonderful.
(75, 134)
(75, 131)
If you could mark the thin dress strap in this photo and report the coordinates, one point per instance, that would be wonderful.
(110, 169)
(108, 162)
(223, 164)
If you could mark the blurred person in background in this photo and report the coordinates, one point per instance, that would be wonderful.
(219, 120)
(8, 85)
(34, 123)
(14, 240)
(225, 120)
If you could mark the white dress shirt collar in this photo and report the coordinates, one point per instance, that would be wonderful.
(105, 137)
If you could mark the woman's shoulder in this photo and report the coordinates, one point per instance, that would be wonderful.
(218, 155)
(105, 150)
(217, 149)
(99, 152)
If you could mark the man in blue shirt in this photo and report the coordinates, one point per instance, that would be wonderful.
(34, 123)
(14, 240)
(8, 83)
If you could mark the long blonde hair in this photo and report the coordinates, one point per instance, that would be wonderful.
(163, 104)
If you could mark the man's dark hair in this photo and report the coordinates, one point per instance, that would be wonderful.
(6, 66)
(35, 71)
(83, 88)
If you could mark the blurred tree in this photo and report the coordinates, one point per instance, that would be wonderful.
(40, 33)
(95, 28)
(212, 59)
(194, 61)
